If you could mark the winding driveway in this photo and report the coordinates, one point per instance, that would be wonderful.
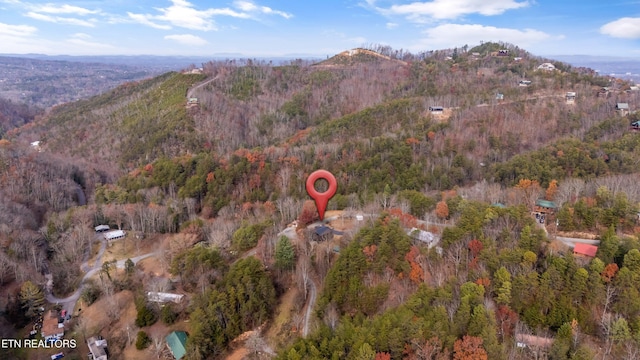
(312, 302)
(69, 303)
(198, 86)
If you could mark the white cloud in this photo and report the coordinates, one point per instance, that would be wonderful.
(391, 25)
(62, 9)
(626, 27)
(17, 30)
(450, 35)
(183, 14)
(187, 39)
(250, 7)
(423, 11)
(144, 20)
(60, 20)
(81, 36)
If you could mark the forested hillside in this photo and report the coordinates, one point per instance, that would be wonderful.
(13, 115)
(480, 148)
(45, 83)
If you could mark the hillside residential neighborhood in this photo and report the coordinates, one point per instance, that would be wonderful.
(481, 202)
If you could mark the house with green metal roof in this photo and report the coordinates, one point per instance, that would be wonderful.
(177, 343)
(545, 206)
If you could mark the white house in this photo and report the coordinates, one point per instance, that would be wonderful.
(426, 237)
(571, 97)
(114, 235)
(97, 347)
(36, 146)
(102, 228)
(162, 297)
(547, 67)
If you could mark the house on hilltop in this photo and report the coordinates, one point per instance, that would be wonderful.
(547, 67)
(502, 52)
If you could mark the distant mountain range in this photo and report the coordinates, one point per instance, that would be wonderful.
(620, 67)
(159, 63)
(623, 67)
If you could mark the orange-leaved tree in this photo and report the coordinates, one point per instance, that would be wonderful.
(442, 210)
(469, 348)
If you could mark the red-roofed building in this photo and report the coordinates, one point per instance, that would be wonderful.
(585, 249)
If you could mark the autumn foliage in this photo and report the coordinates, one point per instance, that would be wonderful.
(551, 191)
(609, 272)
(442, 210)
(469, 348)
(416, 274)
(308, 214)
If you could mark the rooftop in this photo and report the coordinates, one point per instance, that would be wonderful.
(177, 342)
(164, 297)
(98, 348)
(546, 204)
(585, 249)
(50, 327)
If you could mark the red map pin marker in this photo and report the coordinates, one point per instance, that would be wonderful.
(321, 198)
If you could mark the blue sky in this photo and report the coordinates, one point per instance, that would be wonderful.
(298, 27)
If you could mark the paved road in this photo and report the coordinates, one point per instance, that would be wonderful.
(571, 242)
(69, 303)
(136, 259)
